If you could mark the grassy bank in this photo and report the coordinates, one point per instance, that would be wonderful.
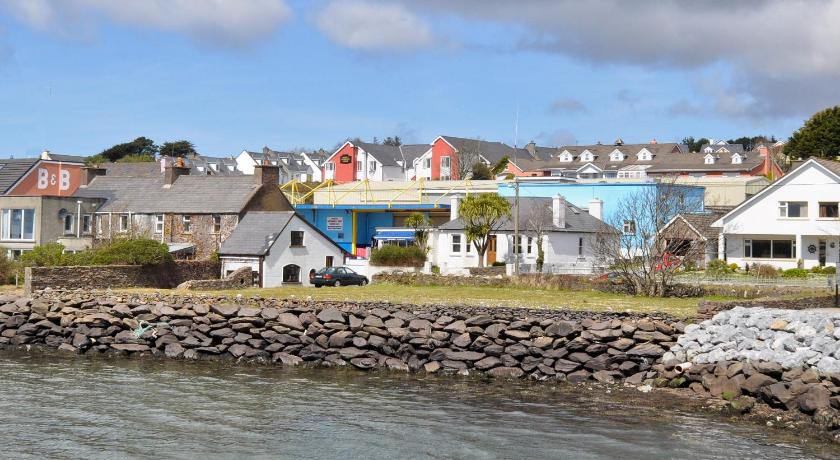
(485, 296)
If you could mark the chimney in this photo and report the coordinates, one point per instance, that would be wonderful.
(531, 147)
(558, 211)
(45, 155)
(454, 204)
(172, 173)
(89, 173)
(266, 174)
(596, 208)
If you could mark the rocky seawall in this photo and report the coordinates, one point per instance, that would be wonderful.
(499, 342)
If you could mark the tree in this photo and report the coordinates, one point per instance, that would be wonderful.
(820, 136)
(645, 257)
(538, 223)
(139, 146)
(482, 215)
(393, 141)
(500, 166)
(468, 155)
(480, 171)
(694, 145)
(180, 148)
(420, 223)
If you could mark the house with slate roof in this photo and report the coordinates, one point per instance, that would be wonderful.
(193, 214)
(293, 165)
(692, 235)
(355, 161)
(281, 248)
(568, 242)
(441, 161)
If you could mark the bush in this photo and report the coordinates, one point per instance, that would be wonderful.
(121, 252)
(8, 268)
(392, 255)
(795, 273)
(824, 270)
(498, 264)
(718, 267)
(733, 267)
(765, 271)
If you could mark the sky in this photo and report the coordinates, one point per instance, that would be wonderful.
(77, 76)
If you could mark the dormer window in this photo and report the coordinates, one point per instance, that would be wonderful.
(723, 150)
(644, 155)
(616, 155)
(566, 156)
(709, 159)
(708, 150)
(737, 159)
(587, 156)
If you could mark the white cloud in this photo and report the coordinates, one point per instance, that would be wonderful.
(373, 25)
(222, 22)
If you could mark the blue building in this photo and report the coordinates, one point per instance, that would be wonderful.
(611, 193)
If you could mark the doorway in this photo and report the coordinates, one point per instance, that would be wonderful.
(822, 253)
(491, 250)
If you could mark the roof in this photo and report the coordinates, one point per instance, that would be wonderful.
(491, 151)
(188, 194)
(731, 147)
(702, 223)
(11, 170)
(256, 233)
(66, 158)
(411, 152)
(292, 162)
(144, 169)
(533, 209)
(388, 155)
(832, 166)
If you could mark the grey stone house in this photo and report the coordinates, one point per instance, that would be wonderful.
(193, 214)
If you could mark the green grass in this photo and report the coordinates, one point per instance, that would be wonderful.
(479, 296)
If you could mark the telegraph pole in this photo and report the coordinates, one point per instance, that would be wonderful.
(517, 243)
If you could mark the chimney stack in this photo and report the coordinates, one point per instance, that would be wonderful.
(173, 172)
(596, 208)
(531, 147)
(89, 173)
(454, 204)
(558, 211)
(266, 174)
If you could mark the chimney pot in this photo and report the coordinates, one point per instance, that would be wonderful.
(172, 173)
(558, 211)
(596, 208)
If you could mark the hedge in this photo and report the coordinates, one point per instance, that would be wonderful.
(398, 256)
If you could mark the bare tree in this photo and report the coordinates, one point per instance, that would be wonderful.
(643, 243)
(468, 155)
(538, 223)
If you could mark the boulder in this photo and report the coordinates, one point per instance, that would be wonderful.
(431, 367)
(561, 329)
(647, 350)
(506, 372)
(331, 315)
(479, 320)
(756, 382)
(286, 359)
(226, 310)
(778, 395)
(174, 350)
(487, 363)
(290, 321)
(817, 397)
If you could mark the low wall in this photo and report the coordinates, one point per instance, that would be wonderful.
(239, 279)
(707, 309)
(93, 277)
(541, 281)
(499, 342)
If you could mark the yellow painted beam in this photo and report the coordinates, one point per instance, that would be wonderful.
(353, 237)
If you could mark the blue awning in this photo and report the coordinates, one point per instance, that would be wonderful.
(394, 235)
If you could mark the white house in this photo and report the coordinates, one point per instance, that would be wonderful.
(280, 247)
(569, 234)
(795, 218)
(293, 165)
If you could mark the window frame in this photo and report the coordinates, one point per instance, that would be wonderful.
(580, 246)
(71, 219)
(160, 224)
(298, 235)
(448, 162)
(749, 246)
(456, 243)
(186, 223)
(330, 166)
(87, 224)
(217, 224)
(124, 222)
(784, 210)
(360, 166)
(820, 207)
(27, 216)
(628, 227)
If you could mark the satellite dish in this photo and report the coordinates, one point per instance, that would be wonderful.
(62, 213)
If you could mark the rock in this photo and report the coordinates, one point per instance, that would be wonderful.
(431, 367)
(636, 379)
(363, 363)
(494, 330)
(778, 395)
(458, 327)
(506, 372)
(66, 347)
(648, 350)
(248, 312)
(756, 382)
(772, 369)
(742, 404)
(331, 315)
(464, 355)
(226, 310)
(778, 325)
(130, 347)
(543, 342)
(351, 352)
(565, 366)
(480, 320)
(269, 313)
(225, 332)
(517, 334)
(290, 321)
(174, 350)
(604, 376)
(462, 340)
(80, 341)
(561, 329)
(286, 359)
(487, 363)
(578, 376)
(238, 350)
(816, 398)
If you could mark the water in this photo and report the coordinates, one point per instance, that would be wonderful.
(94, 408)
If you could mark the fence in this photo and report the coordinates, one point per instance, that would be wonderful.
(562, 269)
(826, 282)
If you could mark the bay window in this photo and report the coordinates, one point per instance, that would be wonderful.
(18, 224)
(770, 249)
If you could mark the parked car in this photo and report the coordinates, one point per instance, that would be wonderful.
(337, 276)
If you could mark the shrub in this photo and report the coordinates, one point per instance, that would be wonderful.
(765, 271)
(392, 255)
(121, 252)
(498, 264)
(733, 267)
(795, 273)
(718, 267)
(823, 270)
(46, 255)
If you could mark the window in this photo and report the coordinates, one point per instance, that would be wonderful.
(829, 211)
(629, 227)
(736, 159)
(456, 243)
(217, 223)
(329, 261)
(186, 222)
(14, 254)
(586, 156)
(793, 209)
(530, 244)
(297, 238)
(770, 249)
(372, 166)
(517, 244)
(709, 159)
(123, 222)
(68, 224)
(18, 224)
(643, 155)
(580, 246)
(330, 166)
(427, 163)
(291, 274)
(87, 224)
(159, 223)
(99, 224)
(360, 166)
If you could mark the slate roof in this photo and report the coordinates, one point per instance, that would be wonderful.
(145, 169)
(731, 147)
(290, 161)
(491, 151)
(66, 158)
(388, 155)
(702, 222)
(411, 152)
(188, 195)
(11, 170)
(202, 165)
(256, 233)
(577, 220)
(832, 166)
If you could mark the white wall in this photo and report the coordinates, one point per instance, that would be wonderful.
(231, 264)
(312, 255)
(760, 219)
(245, 163)
(419, 170)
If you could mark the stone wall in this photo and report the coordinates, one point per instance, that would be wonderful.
(706, 309)
(500, 342)
(119, 276)
(238, 279)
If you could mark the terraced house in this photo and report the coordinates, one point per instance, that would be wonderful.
(193, 214)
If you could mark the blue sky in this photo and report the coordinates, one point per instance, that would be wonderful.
(235, 75)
